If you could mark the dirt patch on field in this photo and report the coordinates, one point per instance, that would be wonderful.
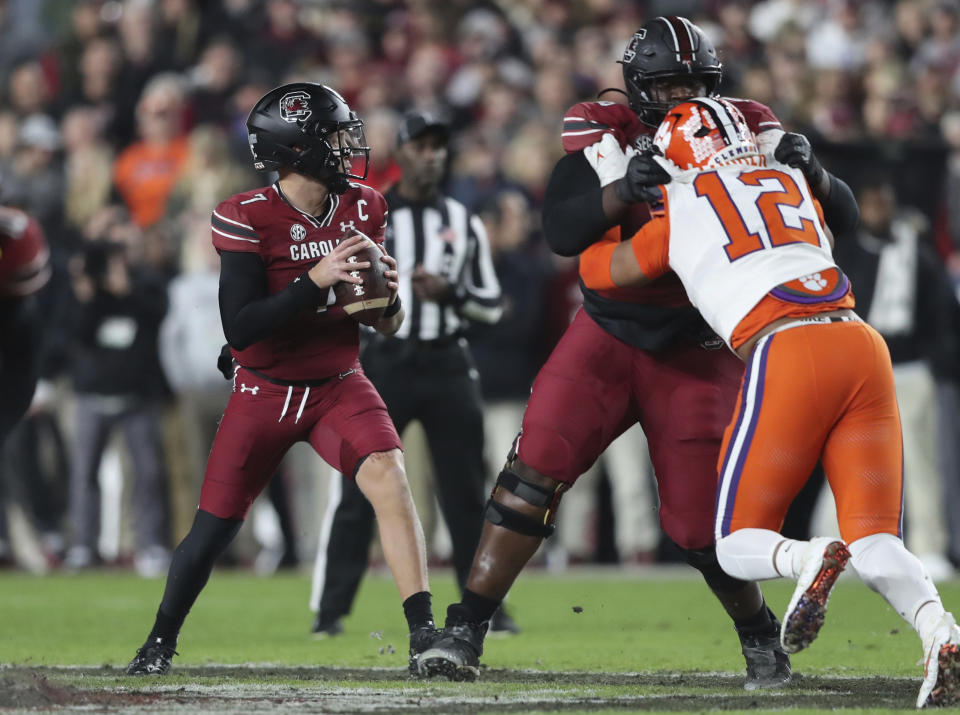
(29, 688)
(385, 690)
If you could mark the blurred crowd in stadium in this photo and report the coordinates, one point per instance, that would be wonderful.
(122, 126)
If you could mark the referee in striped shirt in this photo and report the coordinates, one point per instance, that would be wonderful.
(424, 372)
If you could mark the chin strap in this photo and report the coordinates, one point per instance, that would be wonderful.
(611, 89)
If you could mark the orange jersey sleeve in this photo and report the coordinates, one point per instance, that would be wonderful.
(651, 246)
(595, 261)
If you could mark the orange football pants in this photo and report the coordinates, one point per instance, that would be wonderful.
(819, 390)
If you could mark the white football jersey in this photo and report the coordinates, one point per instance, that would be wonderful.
(737, 232)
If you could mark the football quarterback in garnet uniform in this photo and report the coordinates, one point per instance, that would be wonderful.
(631, 355)
(24, 270)
(297, 377)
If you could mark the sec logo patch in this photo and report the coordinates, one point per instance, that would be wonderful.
(298, 232)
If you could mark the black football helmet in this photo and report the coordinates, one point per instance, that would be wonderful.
(309, 128)
(666, 48)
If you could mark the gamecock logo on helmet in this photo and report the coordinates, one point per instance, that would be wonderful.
(631, 49)
(295, 106)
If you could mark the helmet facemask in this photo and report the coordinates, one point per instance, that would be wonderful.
(668, 50)
(646, 97)
(338, 155)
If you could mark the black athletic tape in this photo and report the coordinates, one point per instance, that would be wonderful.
(532, 494)
(500, 515)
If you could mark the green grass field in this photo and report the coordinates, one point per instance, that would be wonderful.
(644, 640)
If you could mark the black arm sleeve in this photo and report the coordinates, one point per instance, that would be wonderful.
(840, 209)
(247, 313)
(573, 215)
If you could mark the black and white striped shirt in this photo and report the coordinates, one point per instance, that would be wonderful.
(447, 240)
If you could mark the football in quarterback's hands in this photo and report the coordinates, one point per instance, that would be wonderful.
(365, 302)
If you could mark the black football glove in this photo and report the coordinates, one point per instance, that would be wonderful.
(640, 182)
(795, 150)
(225, 362)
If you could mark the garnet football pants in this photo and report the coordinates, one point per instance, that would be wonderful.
(594, 386)
(344, 420)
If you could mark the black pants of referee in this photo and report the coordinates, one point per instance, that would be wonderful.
(437, 384)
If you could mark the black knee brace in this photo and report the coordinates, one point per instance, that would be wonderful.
(533, 494)
(705, 561)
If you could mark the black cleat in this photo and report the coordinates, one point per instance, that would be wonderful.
(768, 665)
(153, 658)
(326, 627)
(456, 654)
(421, 639)
(501, 624)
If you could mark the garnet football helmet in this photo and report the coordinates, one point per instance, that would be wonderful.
(309, 128)
(666, 48)
(707, 132)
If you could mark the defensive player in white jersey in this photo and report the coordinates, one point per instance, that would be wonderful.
(747, 240)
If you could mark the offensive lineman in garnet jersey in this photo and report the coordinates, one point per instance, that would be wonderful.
(631, 355)
(297, 377)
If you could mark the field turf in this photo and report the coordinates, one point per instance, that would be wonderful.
(646, 639)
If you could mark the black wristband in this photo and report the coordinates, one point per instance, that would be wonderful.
(306, 293)
(392, 309)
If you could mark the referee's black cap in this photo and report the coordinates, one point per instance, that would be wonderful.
(417, 123)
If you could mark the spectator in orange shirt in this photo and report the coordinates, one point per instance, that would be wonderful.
(146, 171)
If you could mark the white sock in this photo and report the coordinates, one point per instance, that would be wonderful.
(789, 556)
(885, 565)
(928, 620)
(748, 554)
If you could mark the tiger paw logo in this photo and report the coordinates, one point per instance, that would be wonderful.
(814, 282)
(295, 106)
